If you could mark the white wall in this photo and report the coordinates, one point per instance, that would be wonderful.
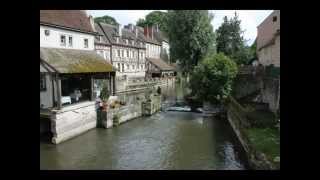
(53, 40)
(103, 51)
(166, 46)
(129, 61)
(153, 51)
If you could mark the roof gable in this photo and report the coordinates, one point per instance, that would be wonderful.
(161, 64)
(74, 19)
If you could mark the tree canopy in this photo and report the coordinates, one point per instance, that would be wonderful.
(106, 19)
(154, 18)
(212, 79)
(191, 36)
(230, 40)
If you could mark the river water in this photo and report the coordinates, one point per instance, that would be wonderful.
(167, 140)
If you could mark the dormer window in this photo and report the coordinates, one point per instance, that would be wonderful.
(98, 38)
(117, 39)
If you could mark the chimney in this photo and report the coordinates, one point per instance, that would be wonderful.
(136, 31)
(119, 29)
(92, 23)
(146, 33)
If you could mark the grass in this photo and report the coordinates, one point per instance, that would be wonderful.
(265, 140)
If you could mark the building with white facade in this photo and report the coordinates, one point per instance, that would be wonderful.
(155, 45)
(127, 50)
(101, 43)
(69, 69)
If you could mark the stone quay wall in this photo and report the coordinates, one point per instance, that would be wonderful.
(119, 115)
(73, 120)
(238, 122)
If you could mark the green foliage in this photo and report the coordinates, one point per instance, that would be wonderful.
(191, 37)
(266, 140)
(106, 19)
(231, 42)
(154, 18)
(212, 79)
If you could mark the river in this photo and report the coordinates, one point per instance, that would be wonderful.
(168, 140)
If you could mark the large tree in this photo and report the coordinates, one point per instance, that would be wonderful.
(191, 37)
(154, 18)
(230, 40)
(106, 19)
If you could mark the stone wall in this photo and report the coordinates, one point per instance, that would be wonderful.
(245, 85)
(270, 93)
(123, 113)
(152, 105)
(73, 120)
(238, 121)
(141, 107)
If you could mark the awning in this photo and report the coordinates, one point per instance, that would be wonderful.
(69, 61)
(161, 64)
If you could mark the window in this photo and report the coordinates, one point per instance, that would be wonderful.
(117, 39)
(42, 82)
(118, 52)
(141, 66)
(47, 32)
(126, 41)
(122, 67)
(122, 53)
(132, 42)
(132, 66)
(127, 53)
(128, 66)
(63, 40)
(86, 43)
(274, 19)
(119, 67)
(70, 41)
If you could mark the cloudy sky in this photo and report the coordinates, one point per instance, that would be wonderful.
(250, 19)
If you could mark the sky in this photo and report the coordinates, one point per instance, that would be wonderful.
(250, 19)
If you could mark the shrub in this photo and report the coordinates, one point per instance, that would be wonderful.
(212, 79)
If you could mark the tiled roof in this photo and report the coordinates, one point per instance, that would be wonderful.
(146, 38)
(75, 19)
(110, 32)
(162, 65)
(104, 39)
(74, 61)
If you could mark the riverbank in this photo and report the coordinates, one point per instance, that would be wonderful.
(257, 133)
